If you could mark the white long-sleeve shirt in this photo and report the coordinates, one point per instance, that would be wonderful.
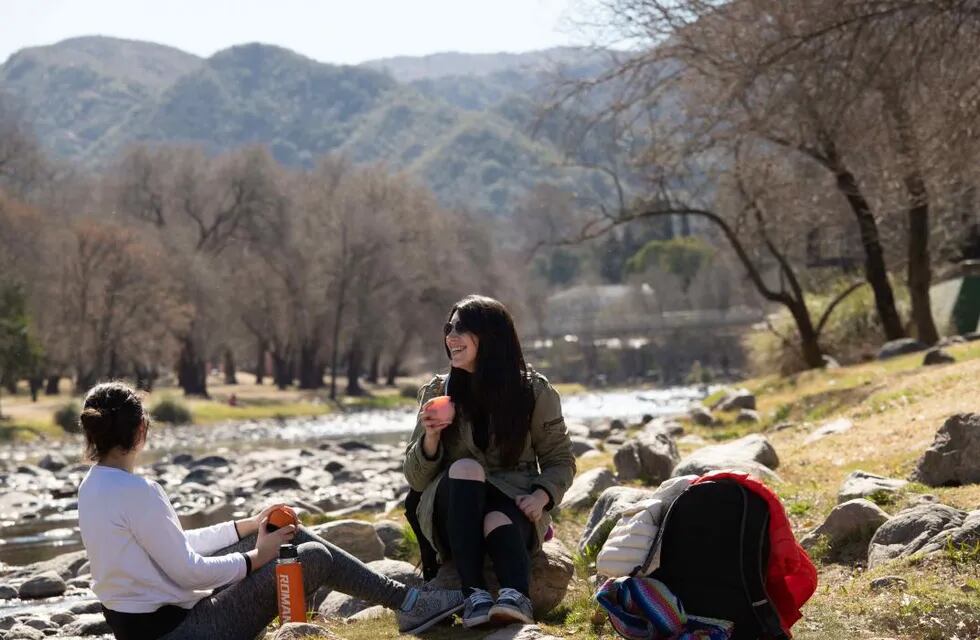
(140, 556)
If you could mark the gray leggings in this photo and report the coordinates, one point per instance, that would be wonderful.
(243, 610)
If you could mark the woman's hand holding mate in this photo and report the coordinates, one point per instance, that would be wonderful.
(434, 422)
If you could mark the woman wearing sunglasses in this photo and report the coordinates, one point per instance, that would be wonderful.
(156, 580)
(488, 463)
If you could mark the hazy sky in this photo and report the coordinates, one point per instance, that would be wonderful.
(339, 31)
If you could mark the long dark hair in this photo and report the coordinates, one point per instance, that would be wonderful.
(497, 396)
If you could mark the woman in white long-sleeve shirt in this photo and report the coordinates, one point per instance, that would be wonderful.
(156, 580)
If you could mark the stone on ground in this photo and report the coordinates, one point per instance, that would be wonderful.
(298, 630)
(747, 416)
(392, 536)
(403, 572)
(954, 457)
(341, 605)
(650, 456)
(752, 454)
(848, 528)
(586, 488)
(700, 415)
(937, 356)
(925, 527)
(88, 624)
(900, 347)
(834, 427)
(44, 585)
(861, 484)
(355, 537)
(737, 399)
(606, 511)
(519, 632)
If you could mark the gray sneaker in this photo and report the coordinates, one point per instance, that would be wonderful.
(512, 606)
(431, 606)
(477, 609)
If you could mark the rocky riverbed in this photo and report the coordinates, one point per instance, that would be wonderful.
(332, 467)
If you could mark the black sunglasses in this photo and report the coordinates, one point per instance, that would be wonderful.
(458, 326)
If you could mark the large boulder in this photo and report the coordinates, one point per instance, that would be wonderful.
(606, 511)
(355, 537)
(650, 457)
(737, 399)
(581, 446)
(924, 527)
(341, 605)
(586, 488)
(954, 457)
(747, 416)
(23, 632)
(861, 484)
(900, 347)
(752, 454)
(392, 535)
(44, 585)
(397, 570)
(848, 529)
(551, 571)
(53, 462)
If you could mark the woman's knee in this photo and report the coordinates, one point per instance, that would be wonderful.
(467, 469)
(494, 520)
(314, 557)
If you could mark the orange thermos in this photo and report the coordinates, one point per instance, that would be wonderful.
(289, 586)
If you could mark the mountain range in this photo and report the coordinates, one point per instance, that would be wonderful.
(462, 123)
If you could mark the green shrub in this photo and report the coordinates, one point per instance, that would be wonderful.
(852, 334)
(171, 410)
(67, 415)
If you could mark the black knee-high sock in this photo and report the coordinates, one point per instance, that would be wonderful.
(467, 499)
(430, 561)
(511, 561)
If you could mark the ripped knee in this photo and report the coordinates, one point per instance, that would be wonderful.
(494, 520)
(467, 469)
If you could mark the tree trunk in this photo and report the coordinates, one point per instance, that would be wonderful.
(35, 382)
(51, 387)
(920, 272)
(191, 370)
(229, 365)
(355, 366)
(374, 369)
(11, 384)
(282, 370)
(146, 377)
(875, 271)
(310, 369)
(398, 357)
(809, 339)
(260, 351)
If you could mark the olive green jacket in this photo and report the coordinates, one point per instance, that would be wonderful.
(546, 462)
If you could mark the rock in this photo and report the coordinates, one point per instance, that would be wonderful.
(62, 618)
(700, 467)
(671, 428)
(913, 530)
(39, 624)
(371, 613)
(848, 529)
(519, 632)
(403, 572)
(586, 488)
(7, 592)
(53, 462)
(201, 475)
(23, 632)
(298, 630)
(45, 585)
(7, 623)
(861, 484)
(617, 425)
(577, 429)
(701, 415)
(738, 399)
(752, 448)
(599, 431)
(900, 347)
(551, 571)
(355, 537)
(183, 459)
(207, 516)
(392, 535)
(747, 416)
(937, 356)
(616, 440)
(886, 582)
(92, 606)
(954, 457)
(829, 362)
(215, 462)
(650, 456)
(341, 605)
(606, 511)
(828, 429)
(89, 624)
(279, 483)
(581, 445)
(355, 445)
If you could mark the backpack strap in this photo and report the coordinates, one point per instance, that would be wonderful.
(753, 580)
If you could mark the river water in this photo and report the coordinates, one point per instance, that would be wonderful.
(54, 530)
